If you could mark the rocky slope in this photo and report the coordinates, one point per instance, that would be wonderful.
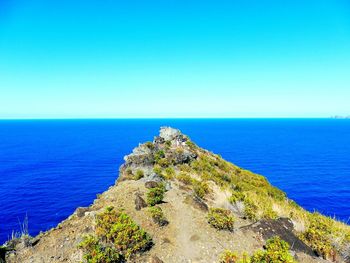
(176, 202)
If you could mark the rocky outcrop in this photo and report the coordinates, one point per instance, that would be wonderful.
(284, 228)
(170, 145)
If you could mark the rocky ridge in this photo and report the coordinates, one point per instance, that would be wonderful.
(189, 205)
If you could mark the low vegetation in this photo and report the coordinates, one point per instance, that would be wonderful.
(200, 188)
(231, 257)
(221, 219)
(169, 173)
(96, 253)
(159, 155)
(139, 174)
(184, 178)
(155, 195)
(157, 215)
(117, 236)
(157, 169)
(276, 251)
(149, 145)
(319, 235)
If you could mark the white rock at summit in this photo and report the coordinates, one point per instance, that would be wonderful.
(168, 133)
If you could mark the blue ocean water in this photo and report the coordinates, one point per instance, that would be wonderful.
(50, 167)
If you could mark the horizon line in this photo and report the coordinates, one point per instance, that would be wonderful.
(164, 118)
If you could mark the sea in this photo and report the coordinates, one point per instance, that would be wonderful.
(48, 168)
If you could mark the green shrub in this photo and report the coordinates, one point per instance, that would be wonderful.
(268, 213)
(149, 145)
(231, 257)
(237, 196)
(184, 168)
(190, 144)
(277, 251)
(119, 230)
(163, 162)
(169, 173)
(129, 173)
(94, 252)
(139, 174)
(228, 257)
(250, 209)
(318, 235)
(157, 169)
(184, 178)
(157, 215)
(159, 155)
(155, 195)
(200, 188)
(221, 219)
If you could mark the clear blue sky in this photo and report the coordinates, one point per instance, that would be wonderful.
(66, 59)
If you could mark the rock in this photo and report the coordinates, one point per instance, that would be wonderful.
(142, 149)
(91, 214)
(181, 156)
(151, 184)
(139, 202)
(168, 133)
(167, 186)
(346, 253)
(153, 177)
(155, 259)
(140, 156)
(138, 160)
(160, 221)
(158, 140)
(196, 202)
(80, 211)
(282, 227)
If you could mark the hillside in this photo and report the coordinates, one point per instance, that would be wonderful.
(176, 202)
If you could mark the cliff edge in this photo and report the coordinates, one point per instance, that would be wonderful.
(176, 202)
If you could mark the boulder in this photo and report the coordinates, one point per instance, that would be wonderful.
(139, 202)
(153, 177)
(168, 133)
(181, 156)
(80, 211)
(196, 202)
(284, 228)
(151, 184)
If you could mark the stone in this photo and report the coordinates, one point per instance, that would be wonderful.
(151, 184)
(158, 140)
(153, 177)
(181, 157)
(196, 202)
(80, 211)
(167, 186)
(168, 133)
(139, 202)
(284, 228)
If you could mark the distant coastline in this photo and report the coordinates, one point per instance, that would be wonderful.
(340, 117)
